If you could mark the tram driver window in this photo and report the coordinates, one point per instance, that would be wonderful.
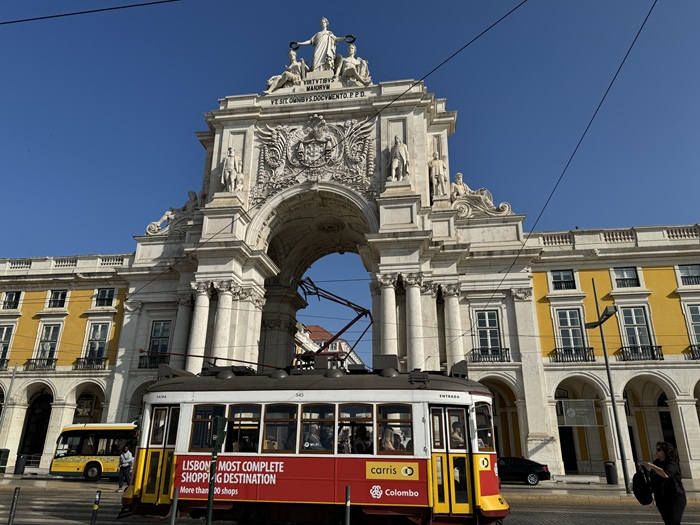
(202, 425)
(355, 429)
(243, 433)
(394, 429)
(280, 429)
(484, 426)
(317, 424)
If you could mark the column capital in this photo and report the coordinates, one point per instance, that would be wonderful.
(521, 294)
(375, 288)
(388, 279)
(132, 306)
(201, 287)
(412, 279)
(184, 299)
(451, 290)
(225, 287)
(429, 288)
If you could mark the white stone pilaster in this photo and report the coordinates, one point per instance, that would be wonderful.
(611, 437)
(454, 346)
(62, 414)
(686, 428)
(222, 324)
(376, 292)
(182, 331)
(431, 345)
(414, 321)
(198, 334)
(389, 332)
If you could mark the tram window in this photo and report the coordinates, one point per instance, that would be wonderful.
(202, 425)
(160, 415)
(394, 429)
(355, 429)
(484, 426)
(243, 432)
(317, 424)
(437, 430)
(280, 428)
(172, 428)
(457, 435)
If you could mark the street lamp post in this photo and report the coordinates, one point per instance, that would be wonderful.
(607, 314)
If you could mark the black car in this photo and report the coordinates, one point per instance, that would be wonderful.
(521, 469)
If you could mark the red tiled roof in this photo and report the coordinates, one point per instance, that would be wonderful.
(317, 333)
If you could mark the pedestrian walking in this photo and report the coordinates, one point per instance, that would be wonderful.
(666, 484)
(126, 461)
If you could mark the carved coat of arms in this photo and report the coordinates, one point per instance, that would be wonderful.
(318, 151)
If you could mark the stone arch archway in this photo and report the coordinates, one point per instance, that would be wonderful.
(507, 423)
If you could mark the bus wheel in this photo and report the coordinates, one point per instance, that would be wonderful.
(93, 471)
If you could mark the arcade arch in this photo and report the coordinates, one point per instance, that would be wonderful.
(506, 420)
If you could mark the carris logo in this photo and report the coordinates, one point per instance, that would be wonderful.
(376, 492)
(407, 471)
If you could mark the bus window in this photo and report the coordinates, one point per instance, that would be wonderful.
(243, 433)
(394, 429)
(68, 445)
(317, 424)
(280, 428)
(202, 425)
(484, 426)
(355, 429)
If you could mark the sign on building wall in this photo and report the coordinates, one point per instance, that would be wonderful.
(577, 413)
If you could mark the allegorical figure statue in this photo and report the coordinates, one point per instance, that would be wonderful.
(174, 215)
(438, 175)
(231, 175)
(352, 68)
(324, 47)
(399, 160)
(459, 189)
(294, 73)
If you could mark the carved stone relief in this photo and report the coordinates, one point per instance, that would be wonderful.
(318, 151)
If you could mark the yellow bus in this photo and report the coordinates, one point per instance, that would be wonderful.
(92, 450)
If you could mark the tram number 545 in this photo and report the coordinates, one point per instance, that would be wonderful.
(299, 394)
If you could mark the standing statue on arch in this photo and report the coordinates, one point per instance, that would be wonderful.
(399, 160)
(324, 47)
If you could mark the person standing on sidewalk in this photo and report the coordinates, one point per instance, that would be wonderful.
(126, 461)
(666, 484)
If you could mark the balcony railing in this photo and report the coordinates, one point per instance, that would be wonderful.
(43, 363)
(90, 363)
(3, 364)
(690, 280)
(153, 360)
(491, 355)
(627, 283)
(564, 285)
(641, 353)
(693, 352)
(574, 354)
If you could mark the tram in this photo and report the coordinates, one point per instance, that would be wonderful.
(413, 447)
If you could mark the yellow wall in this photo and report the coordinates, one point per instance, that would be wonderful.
(669, 325)
(73, 336)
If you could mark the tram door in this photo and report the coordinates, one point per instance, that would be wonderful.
(451, 476)
(158, 474)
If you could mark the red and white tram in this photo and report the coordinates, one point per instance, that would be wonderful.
(417, 447)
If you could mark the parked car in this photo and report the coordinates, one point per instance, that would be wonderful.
(521, 469)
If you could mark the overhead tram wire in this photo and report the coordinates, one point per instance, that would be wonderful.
(566, 167)
(90, 11)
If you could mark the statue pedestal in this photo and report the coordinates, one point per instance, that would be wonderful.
(397, 187)
(441, 202)
(225, 199)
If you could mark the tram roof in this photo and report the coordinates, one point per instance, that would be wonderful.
(308, 380)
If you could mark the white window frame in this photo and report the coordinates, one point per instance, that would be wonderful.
(679, 276)
(40, 333)
(558, 326)
(692, 316)
(96, 298)
(170, 336)
(551, 281)
(477, 329)
(5, 352)
(638, 275)
(49, 299)
(479, 302)
(647, 320)
(88, 333)
(3, 299)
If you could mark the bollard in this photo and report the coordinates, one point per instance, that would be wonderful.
(173, 510)
(347, 504)
(13, 508)
(95, 507)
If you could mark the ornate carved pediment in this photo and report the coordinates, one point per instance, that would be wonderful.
(318, 151)
(480, 204)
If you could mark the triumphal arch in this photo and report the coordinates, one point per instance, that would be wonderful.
(327, 160)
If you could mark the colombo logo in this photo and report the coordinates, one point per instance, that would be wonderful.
(376, 492)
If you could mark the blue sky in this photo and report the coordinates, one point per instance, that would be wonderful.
(99, 111)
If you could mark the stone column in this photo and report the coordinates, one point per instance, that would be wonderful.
(249, 309)
(612, 439)
(454, 346)
(222, 324)
(414, 321)
(182, 330)
(687, 431)
(127, 359)
(198, 334)
(375, 290)
(389, 334)
(62, 414)
(431, 345)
